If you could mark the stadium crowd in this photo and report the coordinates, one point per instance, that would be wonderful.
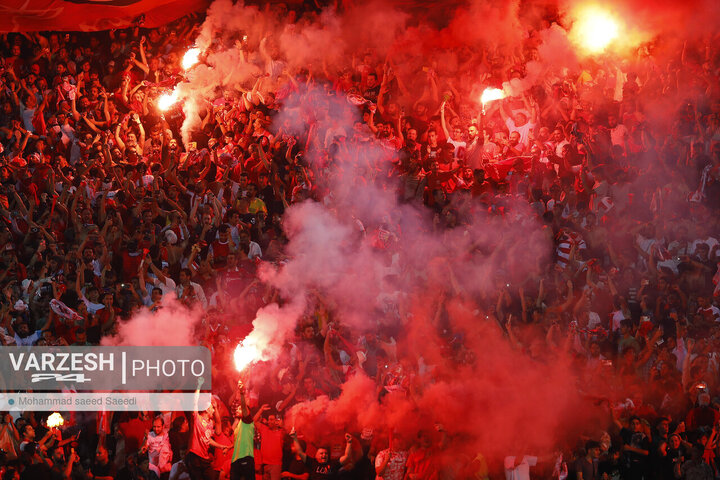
(106, 212)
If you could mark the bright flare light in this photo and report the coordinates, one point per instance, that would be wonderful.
(190, 58)
(245, 353)
(167, 100)
(490, 94)
(55, 420)
(595, 29)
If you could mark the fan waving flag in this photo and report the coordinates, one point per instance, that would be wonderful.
(91, 15)
(356, 99)
(63, 310)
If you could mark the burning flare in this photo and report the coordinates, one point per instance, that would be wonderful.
(55, 420)
(167, 100)
(245, 353)
(595, 29)
(490, 94)
(190, 58)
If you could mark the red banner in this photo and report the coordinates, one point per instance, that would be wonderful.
(90, 15)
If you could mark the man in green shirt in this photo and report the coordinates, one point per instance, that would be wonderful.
(243, 461)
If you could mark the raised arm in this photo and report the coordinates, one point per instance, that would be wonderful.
(142, 65)
(264, 408)
(442, 120)
(346, 457)
(120, 143)
(299, 448)
(503, 112)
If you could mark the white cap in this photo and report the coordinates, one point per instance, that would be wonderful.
(171, 237)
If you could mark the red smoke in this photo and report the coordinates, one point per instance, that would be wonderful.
(489, 396)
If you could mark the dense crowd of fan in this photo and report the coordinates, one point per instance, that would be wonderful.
(106, 212)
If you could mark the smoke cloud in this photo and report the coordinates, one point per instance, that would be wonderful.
(384, 266)
(172, 325)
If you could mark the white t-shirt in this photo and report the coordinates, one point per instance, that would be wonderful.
(457, 144)
(617, 317)
(709, 241)
(712, 312)
(254, 251)
(645, 244)
(523, 130)
(594, 320)
(197, 289)
(618, 135)
(395, 468)
(167, 287)
(96, 267)
(680, 351)
(520, 472)
(29, 340)
(92, 307)
(159, 451)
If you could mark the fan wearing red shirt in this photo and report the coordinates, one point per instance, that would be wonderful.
(420, 462)
(708, 311)
(131, 259)
(436, 179)
(106, 316)
(198, 460)
(221, 247)
(134, 431)
(272, 437)
(222, 457)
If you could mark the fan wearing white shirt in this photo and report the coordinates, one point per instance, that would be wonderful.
(252, 248)
(520, 121)
(456, 139)
(518, 467)
(151, 276)
(188, 290)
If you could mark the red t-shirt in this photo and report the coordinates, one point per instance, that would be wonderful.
(220, 250)
(103, 315)
(202, 432)
(222, 460)
(435, 181)
(58, 230)
(420, 463)
(134, 432)
(130, 264)
(271, 444)
(65, 329)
